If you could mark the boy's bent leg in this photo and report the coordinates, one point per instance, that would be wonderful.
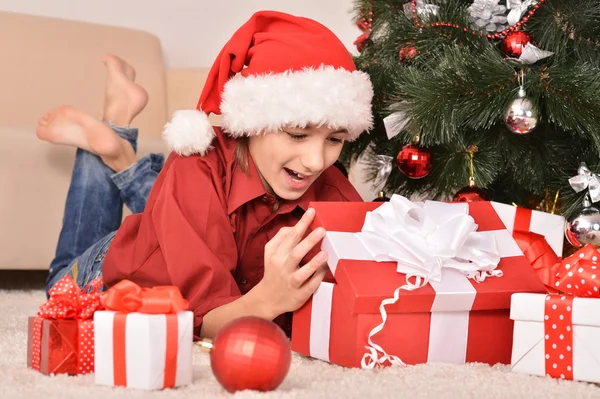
(136, 181)
(93, 209)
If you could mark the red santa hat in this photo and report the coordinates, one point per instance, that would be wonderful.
(277, 70)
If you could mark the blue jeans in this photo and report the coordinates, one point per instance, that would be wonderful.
(94, 210)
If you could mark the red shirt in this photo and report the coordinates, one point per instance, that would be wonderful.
(205, 226)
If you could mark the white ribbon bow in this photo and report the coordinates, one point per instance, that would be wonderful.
(530, 54)
(586, 179)
(423, 239)
(517, 10)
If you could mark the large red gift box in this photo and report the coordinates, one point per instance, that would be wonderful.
(456, 320)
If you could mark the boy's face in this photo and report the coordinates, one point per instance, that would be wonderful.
(290, 160)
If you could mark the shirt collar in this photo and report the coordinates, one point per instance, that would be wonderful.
(244, 186)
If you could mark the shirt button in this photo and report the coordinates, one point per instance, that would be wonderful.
(243, 280)
(269, 199)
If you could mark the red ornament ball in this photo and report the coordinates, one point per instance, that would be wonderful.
(250, 353)
(470, 194)
(407, 53)
(513, 43)
(414, 161)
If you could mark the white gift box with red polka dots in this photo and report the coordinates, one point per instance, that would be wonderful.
(143, 351)
(556, 335)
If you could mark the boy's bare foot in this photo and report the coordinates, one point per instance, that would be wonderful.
(70, 126)
(127, 69)
(124, 99)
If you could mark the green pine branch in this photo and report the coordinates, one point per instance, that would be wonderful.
(456, 90)
(569, 28)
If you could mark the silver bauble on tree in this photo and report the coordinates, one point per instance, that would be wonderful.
(583, 226)
(521, 115)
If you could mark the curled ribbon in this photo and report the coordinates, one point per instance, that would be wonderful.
(423, 239)
(68, 301)
(586, 179)
(126, 297)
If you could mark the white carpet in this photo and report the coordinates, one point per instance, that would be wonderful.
(307, 378)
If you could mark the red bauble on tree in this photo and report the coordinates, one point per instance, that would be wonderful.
(408, 52)
(250, 353)
(470, 194)
(513, 43)
(414, 161)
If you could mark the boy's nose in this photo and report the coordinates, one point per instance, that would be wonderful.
(314, 160)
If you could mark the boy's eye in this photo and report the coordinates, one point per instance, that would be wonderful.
(295, 136)
(335, 140)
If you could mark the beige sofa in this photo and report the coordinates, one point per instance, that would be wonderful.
(48, 62)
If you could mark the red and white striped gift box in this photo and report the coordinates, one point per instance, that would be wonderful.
(456, 320)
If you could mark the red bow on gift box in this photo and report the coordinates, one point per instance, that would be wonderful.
(578, 274)
(67, 301)
(126, 297)
(575, 275)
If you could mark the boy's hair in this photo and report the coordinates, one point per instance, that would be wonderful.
(241, 153)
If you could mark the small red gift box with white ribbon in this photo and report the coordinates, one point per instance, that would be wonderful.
(145, 338)
(413, 283)
(559, 334)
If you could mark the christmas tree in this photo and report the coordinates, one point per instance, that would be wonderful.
(502, 95)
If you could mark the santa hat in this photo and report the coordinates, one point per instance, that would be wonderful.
(277, 70)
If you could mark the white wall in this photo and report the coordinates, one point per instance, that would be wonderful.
(192, 31)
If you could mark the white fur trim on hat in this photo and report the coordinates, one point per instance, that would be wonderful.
(189, 132)
(326, 96)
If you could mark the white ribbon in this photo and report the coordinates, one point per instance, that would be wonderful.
(586, 179)
(530, 54)
(395, 122)
(423, 239)
(384, 169)
(517, 9)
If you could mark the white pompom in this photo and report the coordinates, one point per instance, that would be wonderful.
(189, 132)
